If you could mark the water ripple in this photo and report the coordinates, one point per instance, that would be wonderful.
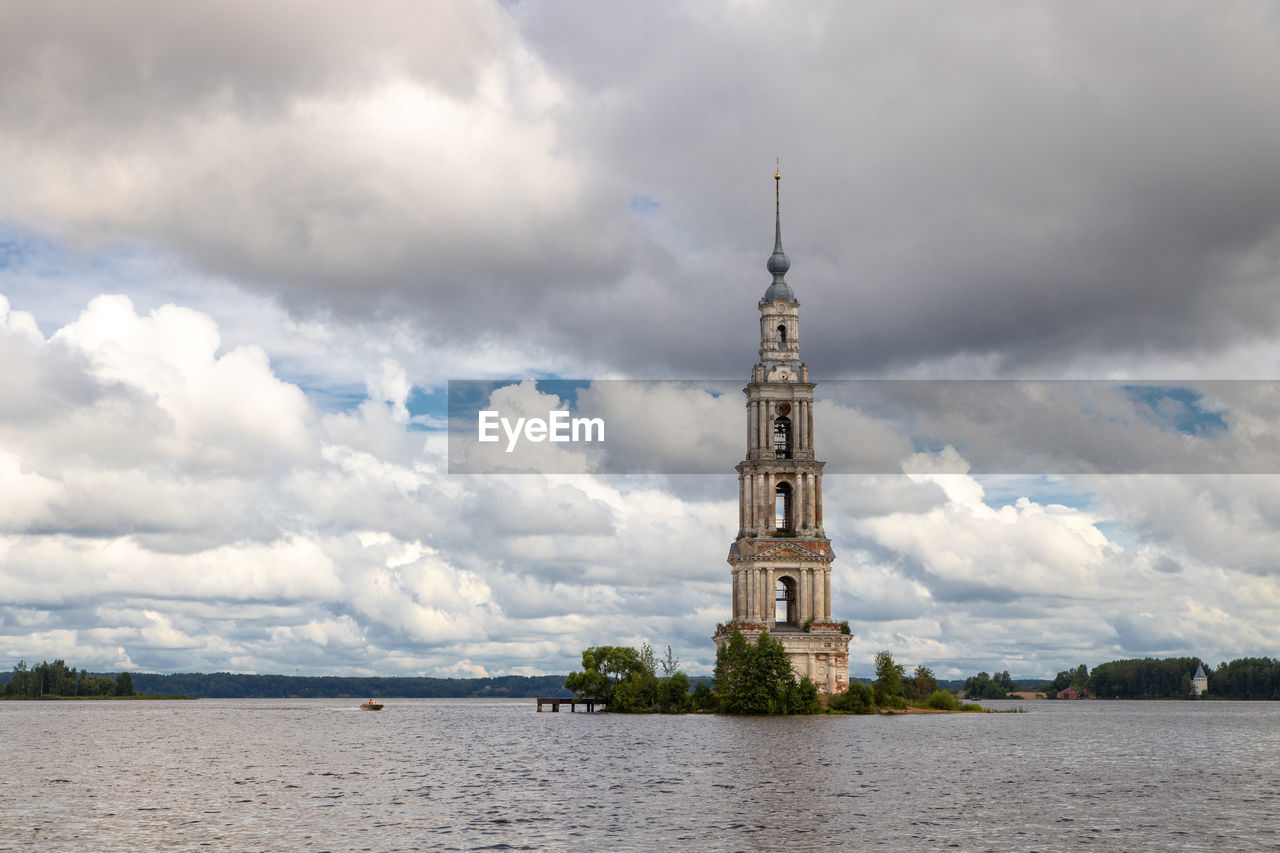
(496, 775)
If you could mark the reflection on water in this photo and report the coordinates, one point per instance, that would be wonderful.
(474, 774)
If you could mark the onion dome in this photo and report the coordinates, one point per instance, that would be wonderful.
(778, 262)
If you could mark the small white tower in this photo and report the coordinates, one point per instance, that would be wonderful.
(1199, 681)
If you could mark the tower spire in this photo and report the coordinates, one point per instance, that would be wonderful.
(778, 263)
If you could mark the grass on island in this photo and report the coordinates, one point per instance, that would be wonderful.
(893, 692)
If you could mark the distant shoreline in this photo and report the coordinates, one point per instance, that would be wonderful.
(156, 697)
(230, 685)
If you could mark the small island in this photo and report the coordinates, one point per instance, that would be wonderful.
(58, 681)
(754, 678)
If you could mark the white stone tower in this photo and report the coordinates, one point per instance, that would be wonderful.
(780, 563)
(1199, 681)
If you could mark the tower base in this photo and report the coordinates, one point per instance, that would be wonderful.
(821, 653)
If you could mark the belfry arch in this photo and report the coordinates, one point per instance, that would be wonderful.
(784, 518)
(785, 611)
(782, 437)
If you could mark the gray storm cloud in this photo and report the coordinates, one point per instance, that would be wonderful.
(1031, 186)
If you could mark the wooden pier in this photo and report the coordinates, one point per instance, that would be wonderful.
(572, 703)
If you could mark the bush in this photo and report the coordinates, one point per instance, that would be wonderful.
(856, 700)
(805, 698)
(942, 700)
(704, 699)
(637, 694)
(673, 694)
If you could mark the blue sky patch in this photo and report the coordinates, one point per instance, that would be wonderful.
(644, 205)
(1004, 489)
(1174, 408)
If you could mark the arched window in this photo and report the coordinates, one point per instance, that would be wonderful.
(783, 519)
(782, 437)
(782, 336)
(784, 608)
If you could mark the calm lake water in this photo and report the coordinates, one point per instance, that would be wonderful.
(492, 774)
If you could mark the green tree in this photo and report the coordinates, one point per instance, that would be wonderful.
(739, 680)
(983, 686)
(923, 683)
(59, 680)
(604, 668)
(124, 684)
(22, 684)
(670, 664)
(857, 699)
(1060, 682)
(704, 698)
(785, 695)
(43, 678)
(804, 699)
(888, 686)
(648, 663)
(673, 694)
(758, 679)
(618, 676)
(636, 694)
(86, 684)
(640, 690)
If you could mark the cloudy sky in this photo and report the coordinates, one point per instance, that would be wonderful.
(244, 247)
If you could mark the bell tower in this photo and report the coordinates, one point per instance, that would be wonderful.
(780, 562)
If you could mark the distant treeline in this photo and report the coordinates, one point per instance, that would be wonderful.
(1246, 678)
(955, 684)
(1146, 678)
(56, 679)
(229, 685)
(1171, 678)
(1139, 678)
